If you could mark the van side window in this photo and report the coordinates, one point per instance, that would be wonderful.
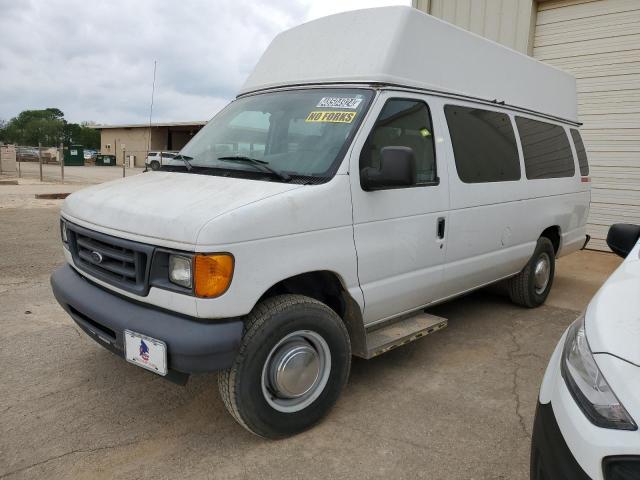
(403, 123)
(546, 149)
(581, 152)
(484, 145)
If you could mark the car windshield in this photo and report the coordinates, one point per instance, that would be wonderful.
(280, 136)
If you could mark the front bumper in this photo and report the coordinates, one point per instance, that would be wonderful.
(192, 345)
(550, 455)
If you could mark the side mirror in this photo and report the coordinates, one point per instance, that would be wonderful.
(397, 169)
(622, 237)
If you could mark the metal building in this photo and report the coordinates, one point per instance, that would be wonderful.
(136, 141)
(598, 41)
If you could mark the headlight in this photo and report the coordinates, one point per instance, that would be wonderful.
(180, 270)
(588, 387)
(63, 233)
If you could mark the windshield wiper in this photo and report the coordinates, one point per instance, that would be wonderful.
(185, 159)
(260, 164)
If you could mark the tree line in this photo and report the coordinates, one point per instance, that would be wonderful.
(48, 127)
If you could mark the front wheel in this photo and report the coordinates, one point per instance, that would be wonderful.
(293, 362)
(531, 286)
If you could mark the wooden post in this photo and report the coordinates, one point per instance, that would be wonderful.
(61, 156)
(40, 158)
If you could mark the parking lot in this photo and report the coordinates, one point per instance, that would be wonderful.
(458, 404)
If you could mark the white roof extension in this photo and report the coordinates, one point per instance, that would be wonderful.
(403, 46)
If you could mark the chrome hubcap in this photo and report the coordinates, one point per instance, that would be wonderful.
(542, 272)
(296, 371)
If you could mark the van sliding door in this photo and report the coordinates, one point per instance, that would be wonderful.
(484, 181)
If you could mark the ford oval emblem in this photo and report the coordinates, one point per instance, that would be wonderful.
(96, 257)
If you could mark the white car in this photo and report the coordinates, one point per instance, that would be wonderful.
(586, 424)
(156, 160)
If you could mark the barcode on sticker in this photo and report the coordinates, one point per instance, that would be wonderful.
(339, 102)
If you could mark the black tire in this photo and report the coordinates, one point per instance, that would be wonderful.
(241, 386)
(522, 288)
(155, 166)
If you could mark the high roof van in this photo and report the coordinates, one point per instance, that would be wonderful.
(374, 164)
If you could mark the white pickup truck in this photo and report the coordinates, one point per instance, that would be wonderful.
(354, 181)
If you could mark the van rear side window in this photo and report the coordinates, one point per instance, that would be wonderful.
(581, 152)
(546, 149)
(484, 145)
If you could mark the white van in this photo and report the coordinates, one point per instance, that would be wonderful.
(375, 163)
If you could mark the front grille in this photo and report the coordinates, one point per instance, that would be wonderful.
(119, 262)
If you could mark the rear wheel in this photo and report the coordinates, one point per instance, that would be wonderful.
(155, 165)
(531, 286)
(293, 363)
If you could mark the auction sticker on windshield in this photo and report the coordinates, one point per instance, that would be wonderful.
(146, 352)
(339, 102)
(331, 117)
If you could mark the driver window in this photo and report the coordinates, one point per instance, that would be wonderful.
(403, 123)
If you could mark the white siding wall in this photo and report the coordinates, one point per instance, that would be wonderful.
(599, 42)
(509, 22)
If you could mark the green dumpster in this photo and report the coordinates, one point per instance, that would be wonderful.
(105, 160)
(74, 155)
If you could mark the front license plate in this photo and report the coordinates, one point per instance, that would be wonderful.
(146, 352)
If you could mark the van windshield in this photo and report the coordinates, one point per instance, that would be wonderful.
(294, 135)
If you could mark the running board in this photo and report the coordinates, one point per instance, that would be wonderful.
(401, 332)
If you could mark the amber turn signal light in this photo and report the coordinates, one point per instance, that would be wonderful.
(212, 274)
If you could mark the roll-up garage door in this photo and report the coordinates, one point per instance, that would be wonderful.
(599, 42)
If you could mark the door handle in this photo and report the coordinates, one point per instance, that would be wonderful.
(440, 228)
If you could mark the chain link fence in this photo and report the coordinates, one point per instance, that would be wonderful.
(60, 164)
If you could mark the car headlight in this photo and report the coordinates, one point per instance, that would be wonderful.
(63, 233)
(587, 385)
(180, 270)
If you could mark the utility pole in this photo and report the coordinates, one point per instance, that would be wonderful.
(124, 159)
(40, 158)
(61, 157)
(153, 90)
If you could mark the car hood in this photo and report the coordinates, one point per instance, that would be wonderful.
(166, 208)
(613, 316)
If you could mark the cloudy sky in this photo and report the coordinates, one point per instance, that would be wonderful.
(94, 60)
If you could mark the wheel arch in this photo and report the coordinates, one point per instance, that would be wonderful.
(326, 287)
(553, 234)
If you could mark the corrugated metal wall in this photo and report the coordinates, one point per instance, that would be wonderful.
(599, 42)
(508, 22)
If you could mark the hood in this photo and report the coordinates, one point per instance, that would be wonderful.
(165, 207)
(613, 316)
